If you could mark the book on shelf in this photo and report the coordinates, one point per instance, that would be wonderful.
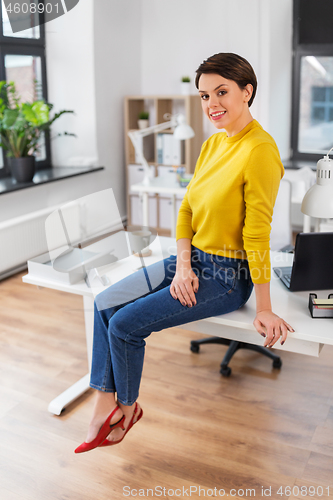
(147, 145)
(170, 151)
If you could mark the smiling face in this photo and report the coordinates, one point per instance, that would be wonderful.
(224, 103)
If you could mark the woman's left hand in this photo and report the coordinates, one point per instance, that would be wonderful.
(272, 327)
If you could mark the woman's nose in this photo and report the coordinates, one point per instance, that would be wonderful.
(213, 101)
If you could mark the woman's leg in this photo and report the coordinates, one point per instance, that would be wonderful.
(106, 305)
(222, 288)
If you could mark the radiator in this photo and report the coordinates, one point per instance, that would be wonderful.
(21, 239)
(24, 237)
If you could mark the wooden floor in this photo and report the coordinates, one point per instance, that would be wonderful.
(260, 428)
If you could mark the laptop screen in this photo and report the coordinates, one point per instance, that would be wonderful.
(313, 262)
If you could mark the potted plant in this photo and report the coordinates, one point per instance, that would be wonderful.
(186, 85)
(143, 119)
(21, 125)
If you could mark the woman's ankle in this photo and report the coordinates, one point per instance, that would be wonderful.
(104, 403)
(127, 409)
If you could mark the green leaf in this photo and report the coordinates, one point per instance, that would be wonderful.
(36, 113)
(41, 110)
(9, 118)
(22, 123)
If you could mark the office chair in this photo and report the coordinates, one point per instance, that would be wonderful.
(281, 239)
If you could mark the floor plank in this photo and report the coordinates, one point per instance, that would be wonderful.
(259, 428)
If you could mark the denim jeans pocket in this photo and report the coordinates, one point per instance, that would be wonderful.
(226, 272)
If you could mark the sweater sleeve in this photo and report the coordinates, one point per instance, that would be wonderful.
(184, 220)
(262, 177)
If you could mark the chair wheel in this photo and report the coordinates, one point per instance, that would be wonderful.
(225, 371)
(195, 348)
(277, 363)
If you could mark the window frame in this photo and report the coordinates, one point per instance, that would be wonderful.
(26, 47)
(299, 51)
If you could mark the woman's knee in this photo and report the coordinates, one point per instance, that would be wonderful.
(123, 325)
(120, 324)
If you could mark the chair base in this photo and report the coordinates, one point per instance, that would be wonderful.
(234, 345)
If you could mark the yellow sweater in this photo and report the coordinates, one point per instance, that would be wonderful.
(227, 209)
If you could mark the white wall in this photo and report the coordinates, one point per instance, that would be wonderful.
(71, 83)
(117, 70)
(280, 74)
(178, 35)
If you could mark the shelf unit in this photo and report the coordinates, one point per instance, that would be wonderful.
(158, 106)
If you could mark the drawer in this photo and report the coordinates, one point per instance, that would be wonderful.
(165, 211)
(136, 211)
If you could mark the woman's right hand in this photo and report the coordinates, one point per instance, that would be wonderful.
(184, 285)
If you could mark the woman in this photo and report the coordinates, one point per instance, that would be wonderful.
(223, 232)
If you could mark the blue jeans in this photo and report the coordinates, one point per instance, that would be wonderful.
(121, 325)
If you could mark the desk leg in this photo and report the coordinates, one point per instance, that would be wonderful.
(88, 304)
(76, 390)
(145, 209)
(173, 216)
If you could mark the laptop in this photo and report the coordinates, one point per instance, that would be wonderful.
(312, 268)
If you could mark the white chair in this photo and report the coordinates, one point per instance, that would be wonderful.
(281, 239)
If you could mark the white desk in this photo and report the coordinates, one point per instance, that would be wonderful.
(160, 185)
(309, 337)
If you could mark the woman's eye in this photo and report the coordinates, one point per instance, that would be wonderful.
(222, 92)
(204, 97)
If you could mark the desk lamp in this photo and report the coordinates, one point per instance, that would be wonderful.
(182, 131)
(318, 201)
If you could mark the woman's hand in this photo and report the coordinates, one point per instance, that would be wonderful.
(272, 327)
(184, 284)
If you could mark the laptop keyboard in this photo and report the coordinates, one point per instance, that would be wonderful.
(284, 273)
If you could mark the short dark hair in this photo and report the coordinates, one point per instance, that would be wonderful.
(232, 67)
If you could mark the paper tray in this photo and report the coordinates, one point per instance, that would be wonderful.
(325, 310)
(69, 268)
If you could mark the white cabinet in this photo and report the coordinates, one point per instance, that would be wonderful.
(164, 201)
(135, 175)
(136, 210)
(165, 211)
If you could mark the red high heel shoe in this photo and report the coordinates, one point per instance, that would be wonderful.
(102, 434)
(106, 442)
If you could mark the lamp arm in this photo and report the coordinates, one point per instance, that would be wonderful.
(135, 135)
(154, 128)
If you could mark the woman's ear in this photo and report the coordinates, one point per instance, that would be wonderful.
(248, 90)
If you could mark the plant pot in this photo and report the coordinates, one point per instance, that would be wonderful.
(185, 88)
(22, 169)
(143, 124)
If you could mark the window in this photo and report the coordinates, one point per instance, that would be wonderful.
(315, 133)
(22, 60)
(322, 104)
(312, 110)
